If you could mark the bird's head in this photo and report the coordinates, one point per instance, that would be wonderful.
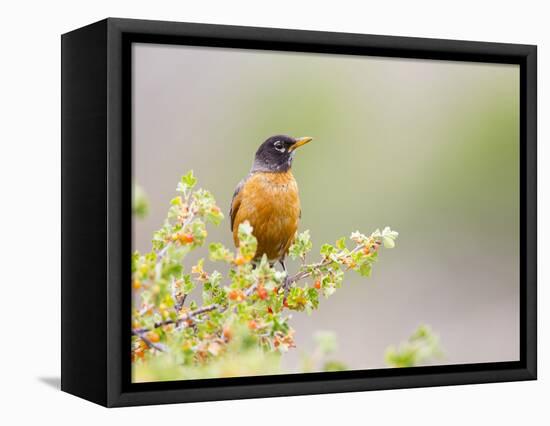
(277, 152)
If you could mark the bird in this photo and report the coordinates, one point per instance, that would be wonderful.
(268, 199)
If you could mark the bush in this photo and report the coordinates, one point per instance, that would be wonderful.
(242, 324)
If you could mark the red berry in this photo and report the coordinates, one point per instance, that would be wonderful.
(236, 295)
(240, 260)
(153, 337)
(262, 293)
(227, 333)
(186, 238)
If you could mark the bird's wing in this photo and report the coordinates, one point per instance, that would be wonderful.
(236, 201)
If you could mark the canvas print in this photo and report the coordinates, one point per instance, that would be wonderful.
(297, 212)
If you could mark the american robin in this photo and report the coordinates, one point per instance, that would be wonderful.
(268, 198)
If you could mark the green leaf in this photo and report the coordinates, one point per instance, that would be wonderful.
(247, 241)
(189, 180)
(188, 284)
(327, 250)
(218, 251)
(365, 269)
(301, 246)
(176, 201)
(387, 232)
(388, 242)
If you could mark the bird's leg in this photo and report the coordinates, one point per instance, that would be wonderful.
(286, 284)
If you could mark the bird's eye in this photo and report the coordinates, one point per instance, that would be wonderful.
(279, 146)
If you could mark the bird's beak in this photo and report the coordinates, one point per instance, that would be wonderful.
(299, 142)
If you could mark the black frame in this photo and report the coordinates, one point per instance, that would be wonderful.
(96, 190)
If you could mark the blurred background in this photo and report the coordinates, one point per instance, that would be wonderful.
(430, 148)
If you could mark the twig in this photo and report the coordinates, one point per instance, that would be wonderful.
(161, 253)
(178, 296)
(251, 289)
(181, 319)
(158, 346)
(305, 274)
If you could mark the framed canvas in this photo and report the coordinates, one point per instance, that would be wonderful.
(255, 212)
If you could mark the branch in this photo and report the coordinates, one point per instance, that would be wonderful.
(316, 266)
(184, 224)
(251, 289)
(253, 299)
(178, 296)
(158, 346)
(188, 316)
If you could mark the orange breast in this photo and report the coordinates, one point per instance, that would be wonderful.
(270, 202)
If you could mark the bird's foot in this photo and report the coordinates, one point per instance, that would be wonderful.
(286, 285)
